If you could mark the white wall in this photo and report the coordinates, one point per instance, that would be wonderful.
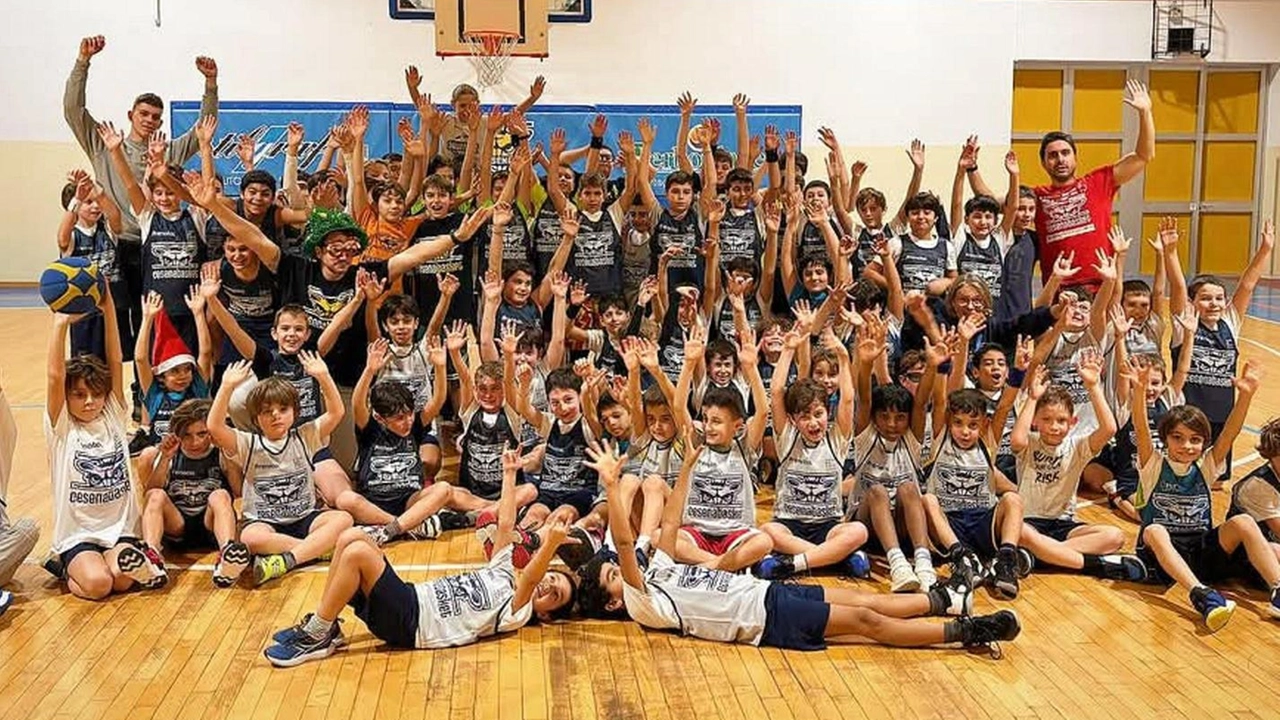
(879, 71)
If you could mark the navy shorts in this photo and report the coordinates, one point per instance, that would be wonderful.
(390, 609)
(391, 506)
(810, 532)
(296, 529)
(66, 556)
(1206, 558)
(1106, 458)
(581, 500)
(321, 455)
(1008, 464)
(795, 617)
(1053, 527)
(1126, 484)
(975, 529)
(194, 534)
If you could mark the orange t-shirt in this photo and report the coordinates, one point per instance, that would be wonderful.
(387, 238)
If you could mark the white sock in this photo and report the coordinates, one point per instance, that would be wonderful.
(317, 627)
(895, 556)
(923, 557)
(800, 562)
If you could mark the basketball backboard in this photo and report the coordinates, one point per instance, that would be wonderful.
(459, 22)
(558, 11)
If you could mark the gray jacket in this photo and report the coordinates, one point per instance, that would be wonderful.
(85, 128)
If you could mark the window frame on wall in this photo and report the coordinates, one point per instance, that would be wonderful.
(1131, 205)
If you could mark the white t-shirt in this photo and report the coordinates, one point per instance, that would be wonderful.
(1048, 476)
(809, 476)
(1258, 498)
(879, 462)
(278, 483)
(1061, 365)
(961, 479)
(707, 604)
(460, 609)
(95, 495)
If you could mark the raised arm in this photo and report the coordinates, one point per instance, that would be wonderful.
(1063, 268)
(1089, 365)
(769, 263)
(968, 163)
(375, 361)
(205, 195)
(569, 226)
(82, 123)
(749, 360)
(210, 285)
(448, 288)
(314, 365)
(1036, 384)
(745, 157)
(695, 344)
(916, 154)
(1173, 265)
(221, 432)
(1017, 375)
(787, 254)
(1106, 269)
(1246, 386)
(871, 345)
(411, 257)
(673, 510)
(440, 388)
(205, 352)
(687, 103)
(152, 304)
(1257, 265)
(1189, 319)
(113, 143)
(1141, 379)
(1010, 212)
(1128, 167)
(608, 462)
(366, 287)
(454, 341)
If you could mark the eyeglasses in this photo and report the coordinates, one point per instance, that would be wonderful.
(342, 250)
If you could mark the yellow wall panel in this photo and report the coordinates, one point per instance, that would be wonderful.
(1227, 172)
(1092, 153)
(1232, 102)
(1037, 100)
(1151, 228)
(1097, 103)
(1169, 175)
(1224, 243)
(1174, 99)
(1031, 172)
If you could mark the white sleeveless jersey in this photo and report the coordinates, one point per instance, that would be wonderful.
(721, 494)
(809, 476)
(460, 609)
(647, 456)
(880, 462)
(961, 479)
(408, 365)
(95, 495)
(278, 482)
(707, 604)
(1061, 365)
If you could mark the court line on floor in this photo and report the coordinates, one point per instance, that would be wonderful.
(322, 568)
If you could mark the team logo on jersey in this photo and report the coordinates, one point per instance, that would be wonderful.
(173, 254)
(454, 593)
(806, 492)
(100, 472)
(285, 495)
(397, 469)
(321, 308)
(693, 577)
(1182, 511)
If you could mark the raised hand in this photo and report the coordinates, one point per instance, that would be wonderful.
(210, 280)
(1136, 96)
(1026, 348)
(205, 129)
(626, 144)
(748, 349)
(1065, 266)
(495, 119)
(772, 216)
(1168, 238)
(237, 373)
(456, 336)
(448, 284)
(795, 337)
(687, 103)
(771, 138)
(91, 46)
(695, 343)
(857, 170)
(492, 287)
(1250, 377)
(152, 304)
(560, 285)
(1089, 366)
(969, 154)
(208, 67)
(599, 126)
(578, 293)
(1106, 264)
(712, 130)
(1120, 323)
(1011, 162)
(536, 89)
(1268, 235)
(970, 325)
(313, 364)
(647, 131)
(1119, 242)
(472, 223)
(740, 104)
(502, 214)
(916, 154)
(648, 352)
(111, 137)
(607, 462)
(245, 150)
(1039, 383)
(412, 79)
(828, 138)
(435, 352)
(194, 300)
(379, 353)
(1189, 318)
(558, 143)
(936, 354)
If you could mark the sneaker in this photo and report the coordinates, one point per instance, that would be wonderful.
(956, 595)
(925, 573)
(233, 560)
(775, 567)
(157, 562)
(6, 600)
(523, 546)
(989, 630)
(303, 647)
(1274, 607)
(902, 579)
(1124, 567)
(575, 555)
(289, 634)
(1026, 562)
(268, 567)
(453, 520)
(140, 441)
(138, 566)
(429, 529)
(486, 528)
(858, 565)
(376, 534)
(1215, 609)
(52, 564)
(1005, 578)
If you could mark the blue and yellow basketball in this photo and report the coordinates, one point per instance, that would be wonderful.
(71, 285)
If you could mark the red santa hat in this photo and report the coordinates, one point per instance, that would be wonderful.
(168, 351)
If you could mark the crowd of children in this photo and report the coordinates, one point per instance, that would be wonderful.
(618, 376)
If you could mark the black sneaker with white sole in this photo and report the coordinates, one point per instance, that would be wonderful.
(989, 630)
(233, 560)
(1026, 562)
(1124, 567)
(1005, 578)
(134, 563)
(955, 596)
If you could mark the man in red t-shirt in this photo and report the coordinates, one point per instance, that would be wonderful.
(1073, 214)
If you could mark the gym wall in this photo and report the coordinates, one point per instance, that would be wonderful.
(878, 72)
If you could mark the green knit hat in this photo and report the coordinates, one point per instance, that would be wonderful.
(324, 222)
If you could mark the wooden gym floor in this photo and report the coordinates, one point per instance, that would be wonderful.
(1088, 648)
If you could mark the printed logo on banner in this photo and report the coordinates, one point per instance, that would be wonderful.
(267, 123)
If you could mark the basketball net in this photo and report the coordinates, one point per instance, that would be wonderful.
(490, 54)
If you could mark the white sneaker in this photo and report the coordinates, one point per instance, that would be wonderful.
(925, 574)
(902, 579)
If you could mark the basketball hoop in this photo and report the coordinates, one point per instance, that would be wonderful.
(490, 54)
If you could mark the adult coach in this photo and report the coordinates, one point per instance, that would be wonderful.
(1073, 214)
(145, 117)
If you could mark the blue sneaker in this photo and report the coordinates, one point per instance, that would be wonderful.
(303, 647)
(1215, 609)
(289, 634)
(6, 600)
(775, 567)
(1274, 607)
(858, 564)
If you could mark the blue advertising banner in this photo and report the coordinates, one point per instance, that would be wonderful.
(266, 122)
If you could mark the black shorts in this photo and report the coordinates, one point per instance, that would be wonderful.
(391, 506)
(296, 529)
(1126, 484)
(390, 609)
(1008, 464)
(810, 532)
(795, 617)
(194, 534)
(976, 530)
(321, 455)
(66, 556)
(1106, 458)
(581, 500)
(1053, 527)
(1206, 558)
